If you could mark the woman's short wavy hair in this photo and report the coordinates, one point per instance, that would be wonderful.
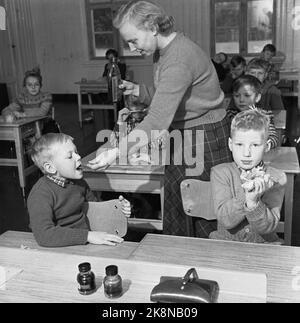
(145, 15)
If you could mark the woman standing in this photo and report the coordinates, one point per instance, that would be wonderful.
(186, 96)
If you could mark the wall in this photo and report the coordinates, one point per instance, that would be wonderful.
(61, 40)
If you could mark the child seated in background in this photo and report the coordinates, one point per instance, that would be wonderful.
(246, 94)
(237, 69)
(32, 102)
(267, 54)
(219, 62)
(247, 194)
(270, 94)
(55, 203)
(109, 55)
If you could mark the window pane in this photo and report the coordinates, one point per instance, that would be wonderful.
(227, 27)
(102, 43)
(102, 19)
(260, 22)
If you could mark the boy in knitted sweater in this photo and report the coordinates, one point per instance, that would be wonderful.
(55, 203)
(247, 194)
(246, 94)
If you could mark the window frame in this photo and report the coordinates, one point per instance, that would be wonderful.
(243, 39)
(113, 5)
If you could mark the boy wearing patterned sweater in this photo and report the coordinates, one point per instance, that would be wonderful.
(31, 102)
(247, 194)
(55, 203)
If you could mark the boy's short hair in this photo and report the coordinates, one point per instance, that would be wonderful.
(250, 120)
(269, 47)
(111, 51)
(236, 60)
(259, 63)
(41, 148)
(247, 80)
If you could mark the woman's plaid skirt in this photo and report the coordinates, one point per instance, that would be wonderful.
(216, 151)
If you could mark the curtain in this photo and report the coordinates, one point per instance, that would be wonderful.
(285, 35)
(20, 30)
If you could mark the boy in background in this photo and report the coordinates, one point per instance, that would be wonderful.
(267, 54)
(247, 194)
(270, 94)
(237, 69)
(55, 203)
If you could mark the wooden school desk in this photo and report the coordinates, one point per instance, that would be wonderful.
(132, 179)
(93, 87)
(49, 275)
(25, 240)
(17, 132)
(286, 159)
(281, 264)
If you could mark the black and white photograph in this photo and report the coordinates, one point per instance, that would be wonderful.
(149, 155)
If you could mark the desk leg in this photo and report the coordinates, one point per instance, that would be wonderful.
(20, 158)
(288, 209)
(79, 107)
(38, 129)
(162, 200)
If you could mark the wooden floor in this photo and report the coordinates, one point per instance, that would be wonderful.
(13, 214)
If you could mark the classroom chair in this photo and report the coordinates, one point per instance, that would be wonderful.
(197, 202)
(107, 217)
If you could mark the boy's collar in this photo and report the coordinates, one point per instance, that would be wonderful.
(60, 181)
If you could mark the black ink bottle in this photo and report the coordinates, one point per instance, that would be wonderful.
(86, 279)
(112, 282)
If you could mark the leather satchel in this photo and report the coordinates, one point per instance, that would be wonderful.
(187, 289)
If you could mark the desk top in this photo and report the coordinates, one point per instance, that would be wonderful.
(44, 276)
(279, 263)
(20, 122)
(124, 169)
(25, 240)
(284, 158)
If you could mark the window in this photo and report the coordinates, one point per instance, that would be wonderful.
(101, 33)
(242, 26)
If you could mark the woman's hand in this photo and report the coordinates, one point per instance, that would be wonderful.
(104, 159)
(130, 88)
(97, 237)
(123, 115)
(125, 206)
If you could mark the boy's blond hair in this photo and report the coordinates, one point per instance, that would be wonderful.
(41, 151)
(250, 120)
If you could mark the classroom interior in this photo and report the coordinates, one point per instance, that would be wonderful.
(56, 35)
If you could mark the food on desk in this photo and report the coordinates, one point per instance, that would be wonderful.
(139, 159)
(9, 118)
